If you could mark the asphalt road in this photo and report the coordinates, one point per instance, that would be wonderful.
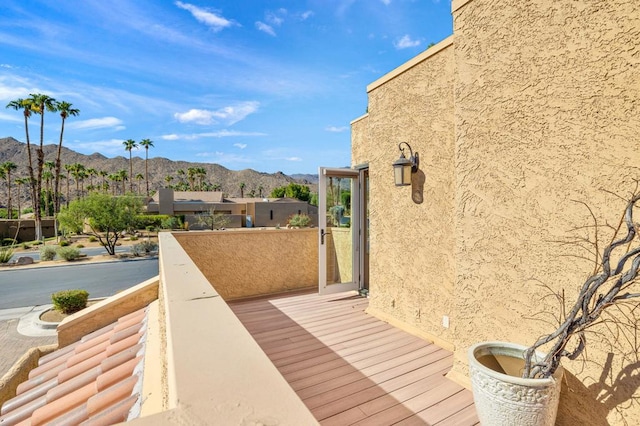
(34, 286)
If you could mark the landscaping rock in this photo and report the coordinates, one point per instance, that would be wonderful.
(24, 260)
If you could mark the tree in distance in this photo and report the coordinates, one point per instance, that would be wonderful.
(293, 190)
(107, 217)
(213, 220)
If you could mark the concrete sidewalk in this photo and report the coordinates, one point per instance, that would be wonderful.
(19, 331)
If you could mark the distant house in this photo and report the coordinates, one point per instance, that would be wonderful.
(243, 212)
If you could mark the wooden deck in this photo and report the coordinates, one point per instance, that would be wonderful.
(350, 368)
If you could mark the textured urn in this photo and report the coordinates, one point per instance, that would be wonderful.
(502, 396)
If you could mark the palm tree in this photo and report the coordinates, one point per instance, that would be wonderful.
(146, 143)
(66, 110)
(242, 186)
(129, 144)
(260, 189)
(180, 173)
(104, 174)
(201, 173)
(47, 175)
(69, 169)
(7, 167)
(20, 181)
(122, 174)
(25, 105)
(139, 177)
(115, 178)
(3, 175)
(39, 104)
(91, 172)
(78, 173)
(191, 177)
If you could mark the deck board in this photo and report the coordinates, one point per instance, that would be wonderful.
(350, 368)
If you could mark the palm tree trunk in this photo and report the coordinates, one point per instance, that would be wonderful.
(146, 168)
(56, 193)
(32, 181)
(130, 173)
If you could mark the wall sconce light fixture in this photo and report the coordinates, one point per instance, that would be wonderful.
(403, 167)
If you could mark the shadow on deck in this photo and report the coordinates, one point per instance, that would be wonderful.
(351, 368)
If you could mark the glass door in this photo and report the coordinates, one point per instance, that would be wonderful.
(339, 230)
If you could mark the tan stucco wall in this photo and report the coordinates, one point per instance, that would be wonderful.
(253, 262)
(106, 311)
(544, 104)
(411, 251)
(547, 111)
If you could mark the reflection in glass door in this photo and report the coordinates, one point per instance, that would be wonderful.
(339, 224)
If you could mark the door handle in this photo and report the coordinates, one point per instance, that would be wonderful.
(322, 237)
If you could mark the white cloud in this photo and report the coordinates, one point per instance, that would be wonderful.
(112, 147)
(279, 154)
(218, 134)
(406, 42)
(15, 117)
(96, 123)
(233, 114)
(224, 158)
(268, 29)
(386, 2)
(198, 116)
(229, 114)
(216, 22)
(335, 129)
(306, 15)
(276, 18)
(240, 145)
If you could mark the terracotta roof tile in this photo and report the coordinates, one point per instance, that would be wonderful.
(95, 381)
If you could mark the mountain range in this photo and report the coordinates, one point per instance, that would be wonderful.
(159, 168)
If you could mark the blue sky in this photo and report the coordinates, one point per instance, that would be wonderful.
(266, 85)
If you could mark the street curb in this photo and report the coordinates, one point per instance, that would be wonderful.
(74, 263)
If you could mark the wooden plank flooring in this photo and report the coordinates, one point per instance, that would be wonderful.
(350, 368)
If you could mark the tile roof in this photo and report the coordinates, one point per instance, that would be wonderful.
(95, 381)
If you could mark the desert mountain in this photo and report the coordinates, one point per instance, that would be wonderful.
(159, 168)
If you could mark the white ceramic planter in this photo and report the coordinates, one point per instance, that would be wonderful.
(506, 399)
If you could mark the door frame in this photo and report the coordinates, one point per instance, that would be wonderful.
(356, 230)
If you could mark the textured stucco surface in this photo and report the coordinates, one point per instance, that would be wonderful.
(543, 111)
(412, 235)
(547, 110)
(247, 263)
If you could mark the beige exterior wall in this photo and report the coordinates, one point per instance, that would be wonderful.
(253, 262)
(26, 231)
(534, 105)
(412, 228)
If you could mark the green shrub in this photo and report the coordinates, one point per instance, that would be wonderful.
(25, 246)
(47, 253)
(171, 222)
(64, 243)
(68, 253)
(8, 242)
(143, 247)
(133, 238)
(153, 221)
(92, 238)
(37, 243)
(5, 254)
(80, 246)
(70, 301)
(301, 220)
